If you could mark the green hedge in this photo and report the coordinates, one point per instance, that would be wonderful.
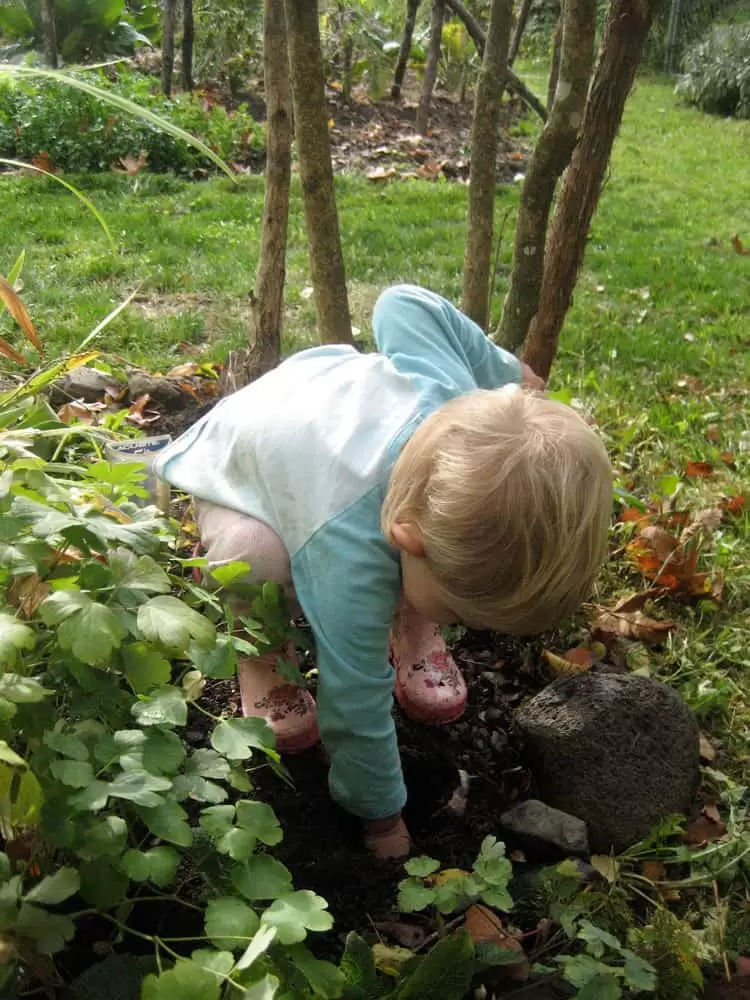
(82, 134)
(717, 72)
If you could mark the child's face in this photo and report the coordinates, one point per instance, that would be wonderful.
(422, 591)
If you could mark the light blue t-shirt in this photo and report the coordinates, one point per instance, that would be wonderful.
(308, 449)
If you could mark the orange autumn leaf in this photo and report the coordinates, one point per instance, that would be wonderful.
(654, 871)
(734, 505)
(699, 470)
(738, 245)
(626, 619)
(632, 515)
(561, 666)
(706, 829)
(727, 457)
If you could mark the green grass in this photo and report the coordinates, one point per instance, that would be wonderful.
(663, 299)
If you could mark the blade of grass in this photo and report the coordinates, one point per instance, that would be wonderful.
(109, 97)
(73, 190)
(107, 320)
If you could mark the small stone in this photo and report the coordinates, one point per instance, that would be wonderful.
(536, 821)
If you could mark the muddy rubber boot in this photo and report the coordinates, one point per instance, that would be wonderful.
(429, 686)
(289, 710)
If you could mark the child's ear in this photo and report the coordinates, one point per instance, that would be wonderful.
(409, 538)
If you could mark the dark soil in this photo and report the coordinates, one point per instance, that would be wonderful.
(323, 847)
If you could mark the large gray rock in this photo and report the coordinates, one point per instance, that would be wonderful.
(88, 384)
(533, 820)
(618, 751)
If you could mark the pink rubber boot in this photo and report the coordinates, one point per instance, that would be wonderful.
(429, 686)
(289, 710)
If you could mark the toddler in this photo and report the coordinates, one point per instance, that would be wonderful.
(391, 493)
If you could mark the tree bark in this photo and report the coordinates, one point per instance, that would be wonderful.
(405, 51)
(431, 66)
(513, 83)
(625, 31)
(554, 70)
(482, 180)
(267, 301)
(49, 32)
(551, 156)
(316, 172)
(167, 46)
(188, 40)
(515, 45)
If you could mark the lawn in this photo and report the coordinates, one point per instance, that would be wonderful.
(655, 346)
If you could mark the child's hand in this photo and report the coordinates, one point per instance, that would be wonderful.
(387, 838)
(530, 380)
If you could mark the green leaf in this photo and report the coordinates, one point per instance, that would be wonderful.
(358, 967)
(139, 787)
(138, 573)
(596, 938)
(219, 962)
(22, 690)
(421, 867)
(265, 989)
(158, 865)
(260, 820)
(445, 971)
(237, 738)
(261, 877)
(205, 763)
(8, 756)
(237, 843)
(163, 752)
(189, 786)
(499, 899)
(324, 978)
(413, 896)
(92, 633)
(639, 974)
(295, 914)
(257, 947)
(50, 931)
(219, 662)
(186, 980)
(228, 574)
(68, 746)
(602, 987)
(61, 605)
(579, 969)
(74, 773)
(105, 838)
(172, 623)
(169, 822)
(102, 884)
(230, 923)
(217, 820)
(14, 636)
(164, 707)
(668, 485)
(92, 798)
(145, 668)
(55, 888)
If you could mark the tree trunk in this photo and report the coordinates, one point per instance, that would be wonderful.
(167, 45)
(188, 39)
(554, 70)
(673, 35)
(625, 31)
(405, 51)
(482, 180)
(431, 66)
(515, 45)
(267, 302)
(513, 83)
(316, 172)
(551, 156)
(49, 32)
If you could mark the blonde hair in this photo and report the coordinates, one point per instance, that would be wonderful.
(512, 492)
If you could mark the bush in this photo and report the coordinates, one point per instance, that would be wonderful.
(717, 72)
(82, 134)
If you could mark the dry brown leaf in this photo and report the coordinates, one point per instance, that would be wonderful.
(734, 505)
(429, 170)
(7, 351)
(706, 520)
(738, 246)
(26, 593)
(185, 370)
(407, 935)
(712, 432)
(559, 666)
(707, 751)
(580, 657)
(382, 174)
(707, 828)
(633, 625)
(654, 871)
(9, 296)
(727, 458)
(635, 516)
(42, 161)
(699, 470)
(485, 926)
(131, 165)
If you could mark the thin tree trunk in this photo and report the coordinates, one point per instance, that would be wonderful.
(551, 156)
(554, 70)
(431, 66)
(515, 45)
(625, 31)
(673, 33)
(513, 83)
(405, 51)
(482, 180)
(167, 45)
(188, 40)
(49, 32)
(267, 301)
(316, 172)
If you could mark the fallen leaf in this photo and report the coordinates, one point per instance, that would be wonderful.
(712, 432)
(734, 505)
(137, 413)
(634, 515)
(581, 657)
(706, 520)
(606, 865)
(558, 666)
(131, 165)
(26, 593)
(429, 170)
(707, 752)
(184, 371)
(485, 926)
(633, 625)
(390, 958)
(705, 829)
(42, 161)
(711, 810)
(85, 413)
(727, 458)
(406, 935)
(709, 585)
(738, 246)
(381, 174)
(699, 470)
(654, 871)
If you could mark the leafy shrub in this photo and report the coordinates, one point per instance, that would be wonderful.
(86, 29)
(670, 945)
(81, 133)
(717, 72)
